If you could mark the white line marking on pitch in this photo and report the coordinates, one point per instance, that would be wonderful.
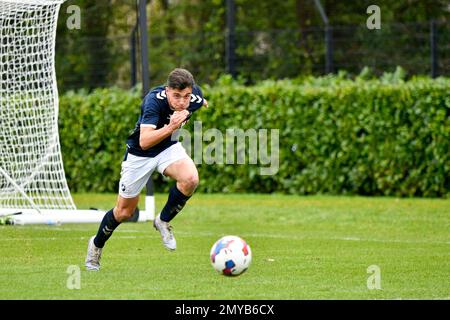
(256, 235)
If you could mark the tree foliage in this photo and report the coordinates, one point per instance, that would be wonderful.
(274, 40)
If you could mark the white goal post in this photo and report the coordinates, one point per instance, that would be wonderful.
(33, 187)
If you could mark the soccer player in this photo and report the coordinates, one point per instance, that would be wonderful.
(149, 147)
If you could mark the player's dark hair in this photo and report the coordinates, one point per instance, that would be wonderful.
(180, 79)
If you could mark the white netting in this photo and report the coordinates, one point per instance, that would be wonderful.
(31, 170)
(36, 2)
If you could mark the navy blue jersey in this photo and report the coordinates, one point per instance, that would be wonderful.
(156, 113)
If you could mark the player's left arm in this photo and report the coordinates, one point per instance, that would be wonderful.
(197, 99)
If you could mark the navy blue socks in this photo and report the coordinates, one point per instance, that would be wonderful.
(106, 228)
(175, 203)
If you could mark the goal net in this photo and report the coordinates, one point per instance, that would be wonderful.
(31, 170)
(33, 187)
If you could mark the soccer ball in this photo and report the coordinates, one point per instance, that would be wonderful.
(231, 256)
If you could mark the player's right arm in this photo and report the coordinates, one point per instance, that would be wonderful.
(150, 136)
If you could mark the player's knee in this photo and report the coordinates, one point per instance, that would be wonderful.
(122, 214)
(194, 181)
(190, 182)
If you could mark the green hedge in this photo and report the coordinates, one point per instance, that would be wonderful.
(364, 136)
(93, 129)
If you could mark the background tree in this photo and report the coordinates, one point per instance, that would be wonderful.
(279, 40)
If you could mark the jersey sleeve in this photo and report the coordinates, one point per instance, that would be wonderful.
(150, 112)
(196, 99)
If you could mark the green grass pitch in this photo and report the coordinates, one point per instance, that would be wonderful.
(317, 247)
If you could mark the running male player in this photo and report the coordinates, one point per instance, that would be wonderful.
(150, 147)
